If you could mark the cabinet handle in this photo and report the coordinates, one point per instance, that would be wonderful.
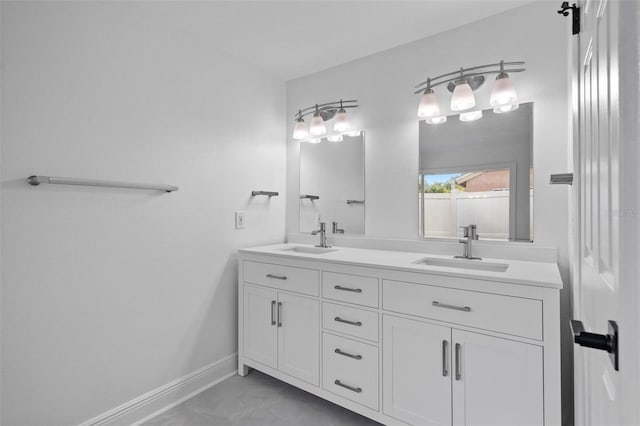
(458, 362)
(279, 314)
(356, 323)
(273, 315)
(339, 352)
(444, 305)
(351, 388)
(276, 277)
(445, 370)
(355, 290)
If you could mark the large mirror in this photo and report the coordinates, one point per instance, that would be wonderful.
(332, 185)
(478, 172)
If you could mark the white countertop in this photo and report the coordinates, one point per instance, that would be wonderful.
(539, 274)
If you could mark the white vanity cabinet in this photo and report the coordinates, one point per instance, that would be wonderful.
(404, 345)
(281, 330)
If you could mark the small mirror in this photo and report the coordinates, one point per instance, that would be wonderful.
(332, 185)
(478, 172)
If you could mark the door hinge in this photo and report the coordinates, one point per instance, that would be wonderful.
(575, 19)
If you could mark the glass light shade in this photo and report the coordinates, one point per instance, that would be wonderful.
(429, 106)
(462, 97)
(436, 120)
(317, 127)
(503, 92)
(506, 108)
(300, 130)
(342, 121)
(335, 138)
(315, 140)
(471, 115)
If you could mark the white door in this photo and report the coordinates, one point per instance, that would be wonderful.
(416, 368)
(260, 327)
(299, 337)
(606, 193)
(496, 382)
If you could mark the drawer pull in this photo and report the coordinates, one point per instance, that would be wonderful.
(276, 277)
(444, 305)
(356, 323)
(339, 352)
(351, 388)
(354, 290)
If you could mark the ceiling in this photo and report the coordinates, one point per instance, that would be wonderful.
(291, 39)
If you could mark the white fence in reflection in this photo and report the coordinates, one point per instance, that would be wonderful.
(489, 210)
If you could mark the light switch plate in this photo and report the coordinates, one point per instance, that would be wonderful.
(241, 220)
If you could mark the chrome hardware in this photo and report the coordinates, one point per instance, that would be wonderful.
(355, 290)
(469, 234)
(604, 342)
(309, 197)
(279, 314)
(351, 388)
(336, 230)
(355, 202)
(458, 362)
(267, 193)
(323, 235)
(445, 370)
(444, 305)
(561, 179)
(273, 308)
(339, 352)
(276, 277)
(37, 180)
(356, 323)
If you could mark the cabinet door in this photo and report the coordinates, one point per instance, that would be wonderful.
(299, 337)
(260, 328)
(416, 371)
(496, 381)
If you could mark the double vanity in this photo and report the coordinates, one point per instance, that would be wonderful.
(405, 338)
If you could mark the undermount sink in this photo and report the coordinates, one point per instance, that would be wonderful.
(478, 265)
(309, 250)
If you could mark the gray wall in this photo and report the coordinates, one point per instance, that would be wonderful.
(108, 293)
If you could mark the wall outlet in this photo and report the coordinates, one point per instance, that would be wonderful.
(241, 220)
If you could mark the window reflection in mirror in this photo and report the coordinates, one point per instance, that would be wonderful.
(479, 173)
(457, 199)
(332, 185)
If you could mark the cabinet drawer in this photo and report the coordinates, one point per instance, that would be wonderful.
(350, 288)
(354, 366)
(352, 321)
(299, 280)
(505, 314)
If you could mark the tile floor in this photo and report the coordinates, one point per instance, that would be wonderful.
(257, 400)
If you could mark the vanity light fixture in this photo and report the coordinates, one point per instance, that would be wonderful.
(317, 127)
(462, 84)
(471, 115)
(437, 120)
(321, 114)
(335, 138)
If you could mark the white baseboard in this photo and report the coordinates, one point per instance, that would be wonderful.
(157, 401)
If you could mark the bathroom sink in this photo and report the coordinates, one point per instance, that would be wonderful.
(478, 265)
(309, 250)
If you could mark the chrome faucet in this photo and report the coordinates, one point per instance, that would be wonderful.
(469, 235)
(323, 235)
(337, 230)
